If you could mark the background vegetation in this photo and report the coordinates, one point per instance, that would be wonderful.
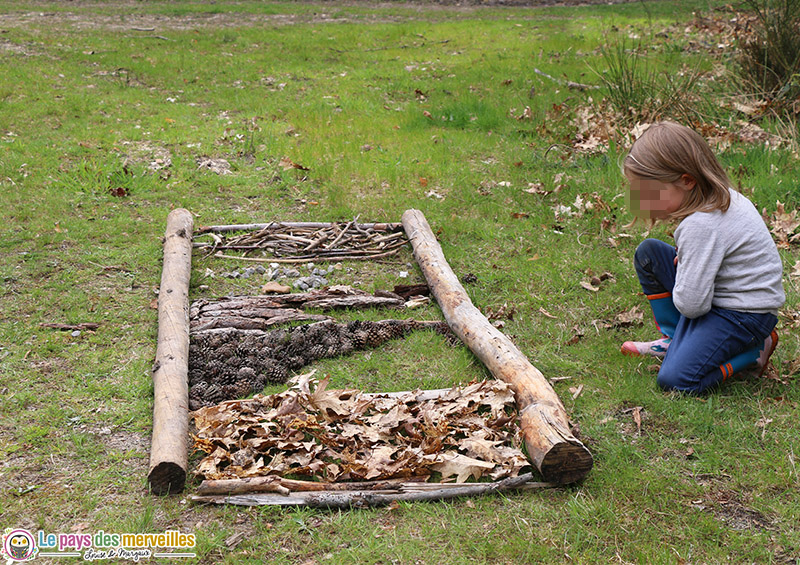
(108, 111)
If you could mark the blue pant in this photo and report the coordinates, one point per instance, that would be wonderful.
(701, 347)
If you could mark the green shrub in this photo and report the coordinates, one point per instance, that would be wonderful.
(640, 89)
(769, 50)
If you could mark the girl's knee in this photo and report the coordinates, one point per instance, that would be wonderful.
(670, 379)
(649, 247)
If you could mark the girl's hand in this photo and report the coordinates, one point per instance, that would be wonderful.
(676, 257)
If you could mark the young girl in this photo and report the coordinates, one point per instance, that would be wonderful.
(715, 295)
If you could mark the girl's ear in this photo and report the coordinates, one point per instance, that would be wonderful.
(688, 181)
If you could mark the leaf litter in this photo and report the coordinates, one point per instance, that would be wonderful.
(346, 435)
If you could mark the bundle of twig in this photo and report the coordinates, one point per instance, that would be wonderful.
(286, 242)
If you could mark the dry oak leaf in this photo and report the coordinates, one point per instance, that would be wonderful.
(287, 164)
(589, 286)
(783, 224)
(631, 317)
(795, 272)
(537, 188)
(461, 466)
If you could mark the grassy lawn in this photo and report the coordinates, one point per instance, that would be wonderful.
(107, 110)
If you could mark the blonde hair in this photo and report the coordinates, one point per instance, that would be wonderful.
(666, 151)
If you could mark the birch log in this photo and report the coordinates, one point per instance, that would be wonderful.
(169, 455)
(556, 453)
(361, 499)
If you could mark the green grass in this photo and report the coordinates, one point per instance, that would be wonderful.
(434, 92)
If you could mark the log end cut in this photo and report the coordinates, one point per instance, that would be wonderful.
(167, 477)
(567, 462)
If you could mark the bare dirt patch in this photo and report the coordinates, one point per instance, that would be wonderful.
(728, 507)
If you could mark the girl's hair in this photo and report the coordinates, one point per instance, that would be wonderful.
(666, 151)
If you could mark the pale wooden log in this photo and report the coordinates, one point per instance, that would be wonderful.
(556, 453)
(365, 498)
(169, 454)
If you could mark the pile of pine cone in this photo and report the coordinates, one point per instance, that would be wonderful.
(225, 364)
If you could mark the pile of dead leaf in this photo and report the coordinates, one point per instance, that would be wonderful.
(347, 435)
(783, 225)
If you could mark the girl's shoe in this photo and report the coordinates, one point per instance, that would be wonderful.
(752, 363)
(763, 358)
(657, 348)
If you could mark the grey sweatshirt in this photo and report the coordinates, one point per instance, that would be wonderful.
(727, 259)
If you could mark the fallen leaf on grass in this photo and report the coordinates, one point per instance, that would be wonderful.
(287, 164)
(589, 286)
(537, 188)
(795, 272)
(637, 417)
(783, 224)
(576, 336)
(527, 114)
(519, 215)
(547, 314)
(504, 312)
(628, 318)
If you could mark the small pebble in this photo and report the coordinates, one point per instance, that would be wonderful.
(76, 333)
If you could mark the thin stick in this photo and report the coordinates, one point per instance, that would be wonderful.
(307, 258)
(338, 237)
(313, 225)
(86, 326)
(568, 83)
(274, 483)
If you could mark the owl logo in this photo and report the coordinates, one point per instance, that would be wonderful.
(19, 545)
